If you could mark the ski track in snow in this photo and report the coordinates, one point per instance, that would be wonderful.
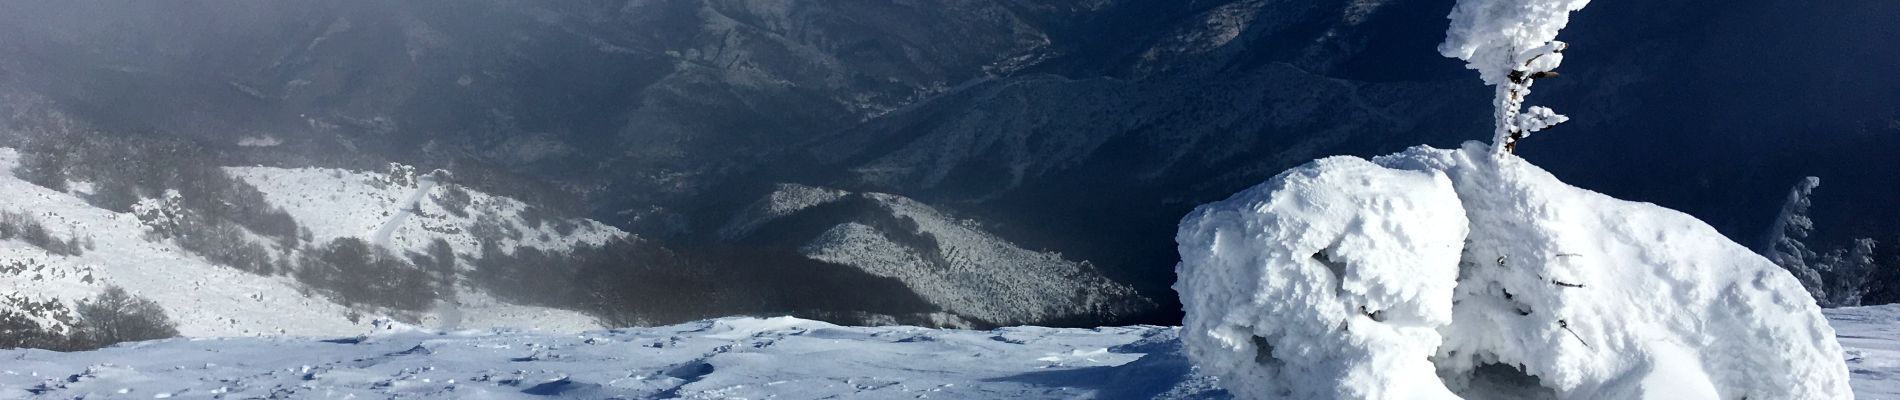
(728, 358)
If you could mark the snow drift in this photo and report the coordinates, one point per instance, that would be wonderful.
(1442, 273)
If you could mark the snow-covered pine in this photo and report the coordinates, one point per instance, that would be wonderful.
(1836, 278)
(1786, 242)
(1851, 268)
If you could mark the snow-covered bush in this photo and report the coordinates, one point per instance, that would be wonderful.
(353, 271)
(1439, 273)
(111, 317)
(115, 316)
(27, 229)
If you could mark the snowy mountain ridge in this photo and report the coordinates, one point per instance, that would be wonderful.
(953, 263)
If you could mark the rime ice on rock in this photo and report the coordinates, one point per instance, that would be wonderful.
(1329, 281)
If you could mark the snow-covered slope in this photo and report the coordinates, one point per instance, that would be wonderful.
(205, 299)
(1444, 273)
(402, 211)
(406, 213)
(720, 359)
(396, 210)
(950, 262)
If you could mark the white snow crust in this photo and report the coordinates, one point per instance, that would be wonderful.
(734, 358)
(1445, 273)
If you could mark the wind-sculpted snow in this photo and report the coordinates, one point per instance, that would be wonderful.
(721, 359)
(1333, 280)
(1328, 282)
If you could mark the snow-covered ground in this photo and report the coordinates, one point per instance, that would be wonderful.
(738, 358)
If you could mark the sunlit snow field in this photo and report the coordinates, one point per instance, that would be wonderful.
(736, 358)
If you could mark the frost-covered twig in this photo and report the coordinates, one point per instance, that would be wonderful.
(1564, 323)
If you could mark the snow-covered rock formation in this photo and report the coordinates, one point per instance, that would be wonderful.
(1442, 273)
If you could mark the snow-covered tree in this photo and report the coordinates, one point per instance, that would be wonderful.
(1847, 272)
(1786, 243)
(1836, 278)
(1511, 43)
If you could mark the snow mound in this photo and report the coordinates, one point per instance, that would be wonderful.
(1443, 273)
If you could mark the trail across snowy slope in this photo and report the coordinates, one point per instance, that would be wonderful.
(409, 207)
(729, 358)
